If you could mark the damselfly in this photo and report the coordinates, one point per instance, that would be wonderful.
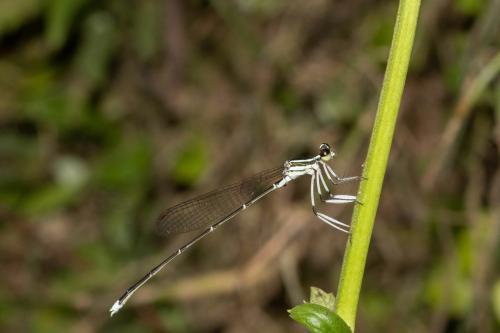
(215, 208)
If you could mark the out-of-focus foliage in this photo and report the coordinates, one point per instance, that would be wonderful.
(190, 162)
(495, 298)
(111, 111)
(13, 14)
(60, 15)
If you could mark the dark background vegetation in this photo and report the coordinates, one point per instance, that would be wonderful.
(111, 111)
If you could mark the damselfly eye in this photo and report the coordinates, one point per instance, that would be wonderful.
(324, 149)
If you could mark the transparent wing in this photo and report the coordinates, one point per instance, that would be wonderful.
(207, 209)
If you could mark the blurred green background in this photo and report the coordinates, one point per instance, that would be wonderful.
(111, 111)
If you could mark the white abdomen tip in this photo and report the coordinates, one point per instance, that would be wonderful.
(115, 308)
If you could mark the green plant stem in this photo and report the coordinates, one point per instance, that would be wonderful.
(378, 153)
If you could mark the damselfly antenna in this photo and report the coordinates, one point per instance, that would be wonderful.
(215, 208)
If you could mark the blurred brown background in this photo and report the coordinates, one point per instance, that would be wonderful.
(111, 111)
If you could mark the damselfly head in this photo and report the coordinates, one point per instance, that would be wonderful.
(325, 152)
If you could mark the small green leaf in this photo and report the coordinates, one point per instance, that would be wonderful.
(321, 297)
(318, 319)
